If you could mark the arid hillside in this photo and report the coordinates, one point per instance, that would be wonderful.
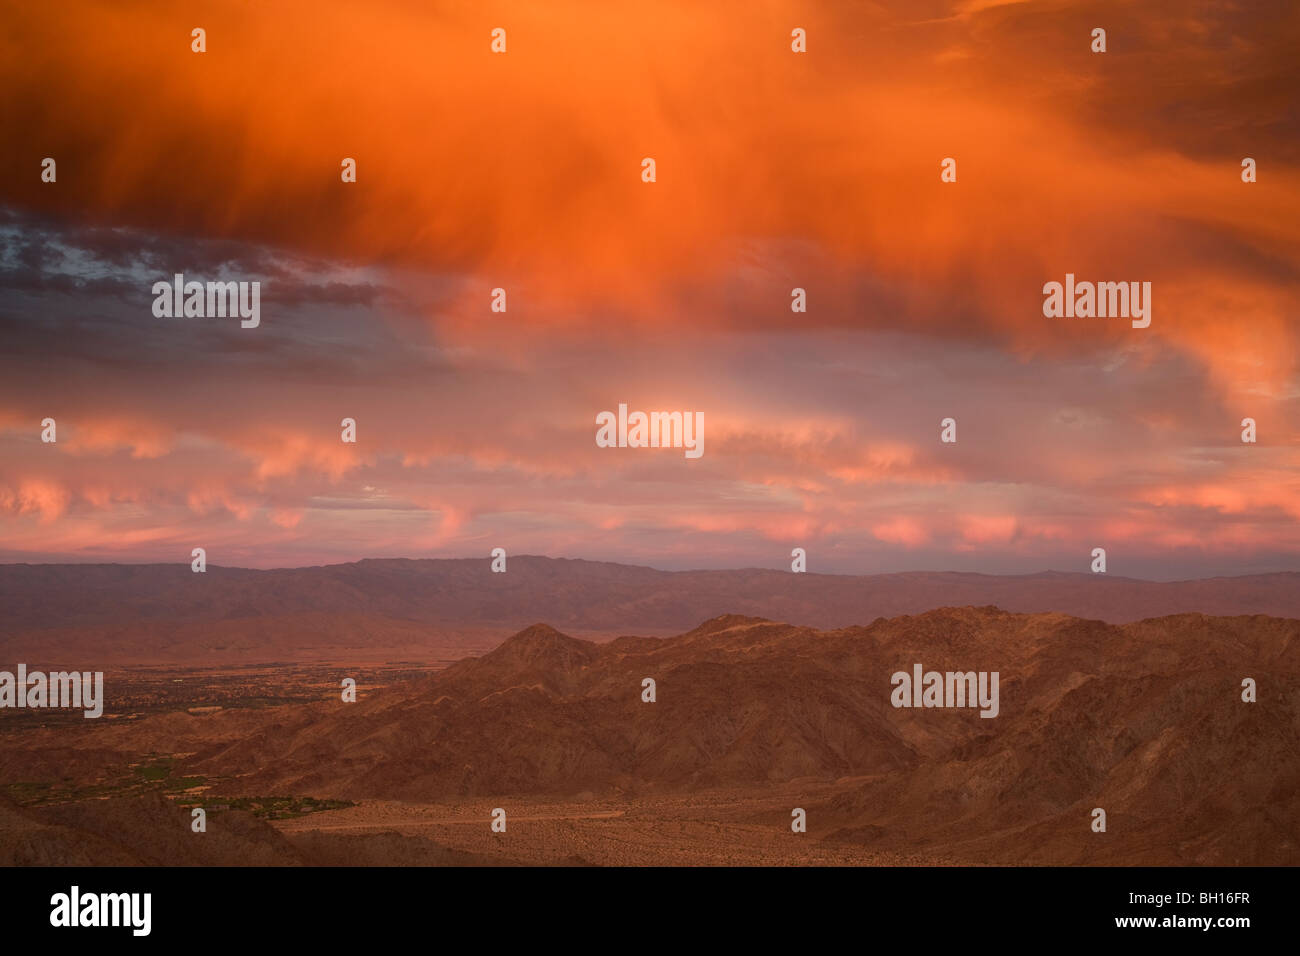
(1144, 720)
(752, 718)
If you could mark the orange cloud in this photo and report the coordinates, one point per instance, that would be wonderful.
(775, 170)
(522, 170)
(904, 531)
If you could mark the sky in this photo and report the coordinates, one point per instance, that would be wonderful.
(775, 170)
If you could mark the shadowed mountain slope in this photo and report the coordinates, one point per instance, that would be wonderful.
(1144, 720)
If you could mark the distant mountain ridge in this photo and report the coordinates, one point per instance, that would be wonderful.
(167, 612)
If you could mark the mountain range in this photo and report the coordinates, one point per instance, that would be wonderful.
(1144, 720)
(416, 609)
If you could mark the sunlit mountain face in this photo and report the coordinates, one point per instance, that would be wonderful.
(840, 249)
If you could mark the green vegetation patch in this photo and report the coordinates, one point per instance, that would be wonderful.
(272, 808)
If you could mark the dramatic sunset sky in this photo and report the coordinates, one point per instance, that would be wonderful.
(775, 170)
